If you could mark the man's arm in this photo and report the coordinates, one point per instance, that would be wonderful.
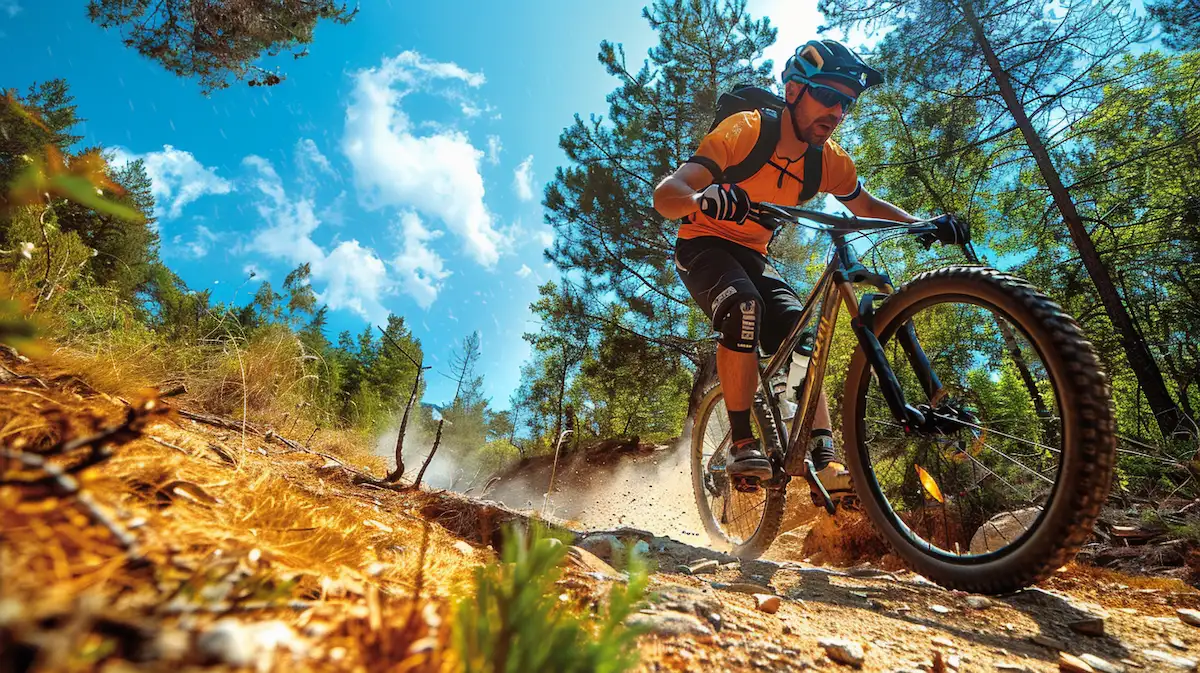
(678, 195)
(866, 205)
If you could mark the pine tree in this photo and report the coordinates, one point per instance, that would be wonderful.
(218, 41)
(601, 204)
(1027, 64)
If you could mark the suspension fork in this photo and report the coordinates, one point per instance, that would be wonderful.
(863, 324)
(930, 383)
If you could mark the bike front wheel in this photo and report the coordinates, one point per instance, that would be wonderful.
(1002, 483)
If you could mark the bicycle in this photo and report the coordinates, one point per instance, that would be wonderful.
(983, 464)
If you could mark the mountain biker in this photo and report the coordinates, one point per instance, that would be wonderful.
(721, 255)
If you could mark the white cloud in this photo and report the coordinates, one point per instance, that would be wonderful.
(176, 178)
(493, 150)
(523, 179)
(524, 271)
(435, 173)
(354, 276)
(10, 7)
(419, 269)
(311, 163)
(199, 246)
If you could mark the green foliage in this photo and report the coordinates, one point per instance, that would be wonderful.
(516, 619)
(214, 42)
(1180, 22)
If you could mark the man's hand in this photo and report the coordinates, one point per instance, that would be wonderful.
(728, 203)
(950, 231)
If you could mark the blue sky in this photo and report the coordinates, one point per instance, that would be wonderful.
(404, 158)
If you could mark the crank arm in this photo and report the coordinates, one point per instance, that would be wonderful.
(810, 475)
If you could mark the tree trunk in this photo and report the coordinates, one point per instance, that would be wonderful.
(399, 471)
(562, 392)
(1140, 360)
(1014, 352)
(429, 459)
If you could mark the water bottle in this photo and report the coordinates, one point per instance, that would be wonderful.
(797, 369)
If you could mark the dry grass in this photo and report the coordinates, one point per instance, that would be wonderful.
(278, 532)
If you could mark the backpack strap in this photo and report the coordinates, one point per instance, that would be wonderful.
(760, 154)
(813, 159)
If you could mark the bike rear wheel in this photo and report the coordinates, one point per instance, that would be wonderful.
(744, 524)
(1002, 485)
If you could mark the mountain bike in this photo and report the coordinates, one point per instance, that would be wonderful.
(977, 423)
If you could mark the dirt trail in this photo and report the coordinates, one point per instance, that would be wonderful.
(903, 622)
(236, 539)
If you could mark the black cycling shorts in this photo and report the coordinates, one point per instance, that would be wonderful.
(709, 266)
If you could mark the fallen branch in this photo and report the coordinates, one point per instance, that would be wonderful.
(220, 422)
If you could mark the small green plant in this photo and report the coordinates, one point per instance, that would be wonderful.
(518, 621)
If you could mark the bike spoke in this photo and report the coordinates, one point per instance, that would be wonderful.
(1006, 436)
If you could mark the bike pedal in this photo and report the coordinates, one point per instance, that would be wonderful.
(843, 501)
(746, 484)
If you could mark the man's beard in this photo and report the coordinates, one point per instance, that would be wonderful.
(818, 132)
(809, 133)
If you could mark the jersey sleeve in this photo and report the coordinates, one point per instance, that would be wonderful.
(838, 174)
(729, 143)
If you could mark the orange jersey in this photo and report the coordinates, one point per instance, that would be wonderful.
(728, 144)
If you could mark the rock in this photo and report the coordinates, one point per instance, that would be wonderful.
(941, 641)
(687, 599)
(1012, 667)
(1172, 661)
(1092, 626)
(1176, 643)
(233, 643)
(1101, 665)
(739, 587)
(843, 651)
(1069, 663)
(607, 547)
(683, 569)
(1047, 641)
(590, 563)
(767, 603)
(714, 618)
(465, 548)
(669, 623)
(703, 566)
(998, 531)
(641, 548)
(940, 609)
(1189, 616)
(979, 602)
(944, 664)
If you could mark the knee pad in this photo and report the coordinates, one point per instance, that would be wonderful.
(738, 320)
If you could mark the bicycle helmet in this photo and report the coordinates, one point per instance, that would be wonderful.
(830, 60)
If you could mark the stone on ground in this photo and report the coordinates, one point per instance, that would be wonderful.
(843, 651)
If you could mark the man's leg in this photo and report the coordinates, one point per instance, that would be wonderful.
(721, 285)
(739, 378)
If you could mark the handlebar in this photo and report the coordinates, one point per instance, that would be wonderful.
(772, 216)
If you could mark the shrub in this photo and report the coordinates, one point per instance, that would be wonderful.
(517, 622)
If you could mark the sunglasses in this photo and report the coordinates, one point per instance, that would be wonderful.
(829, 96)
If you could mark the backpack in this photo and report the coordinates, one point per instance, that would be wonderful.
(744, 98)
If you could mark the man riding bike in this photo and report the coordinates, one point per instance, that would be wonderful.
(721, 255)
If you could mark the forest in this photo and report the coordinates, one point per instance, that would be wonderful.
(1067, 135)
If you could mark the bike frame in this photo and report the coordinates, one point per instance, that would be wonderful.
(834, 288)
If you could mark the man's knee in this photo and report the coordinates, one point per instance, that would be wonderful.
(739, 320)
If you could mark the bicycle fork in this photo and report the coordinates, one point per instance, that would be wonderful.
(863, 325)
